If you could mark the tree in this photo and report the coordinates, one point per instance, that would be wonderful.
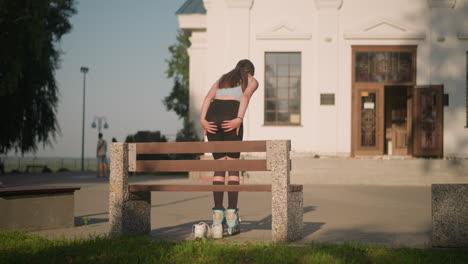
(178, 99)
(148, 136)
(178, 68)
(29, 56)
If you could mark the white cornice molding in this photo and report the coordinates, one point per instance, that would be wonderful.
(239, 3)
(283, 31)
(370, 30)
(402, 36)
(290, 36)
(192, 21)
(442, 3)
(207, 4)
(328, 4)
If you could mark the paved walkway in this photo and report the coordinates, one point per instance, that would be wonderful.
(389, 215)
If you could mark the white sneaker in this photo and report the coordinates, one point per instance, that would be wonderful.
(217, 231)
(200, 230)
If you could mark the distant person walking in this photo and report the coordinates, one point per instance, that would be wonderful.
(101, 151)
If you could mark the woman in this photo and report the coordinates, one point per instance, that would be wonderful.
(222, 114)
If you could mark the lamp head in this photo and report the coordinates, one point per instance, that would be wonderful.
(84, 69)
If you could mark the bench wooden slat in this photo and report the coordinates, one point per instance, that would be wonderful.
(199, 165)
(200, 147)
(206, 188)
(30, 190)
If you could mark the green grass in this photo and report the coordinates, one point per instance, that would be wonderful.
(16, 247)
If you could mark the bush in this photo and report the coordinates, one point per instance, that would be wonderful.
(46, 170)
(63, 170)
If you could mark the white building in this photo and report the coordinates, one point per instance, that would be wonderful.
(340, 77)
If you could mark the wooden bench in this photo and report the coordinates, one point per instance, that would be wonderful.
(130, 204)
(37, 207)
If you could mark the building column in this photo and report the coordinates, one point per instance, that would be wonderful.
(442, 37)
(238, 26)
(198, 86)
(328, 77)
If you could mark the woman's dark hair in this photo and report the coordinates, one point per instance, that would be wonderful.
(238, 75)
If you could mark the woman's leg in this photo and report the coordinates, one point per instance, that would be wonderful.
(232, 216)
(233, 179)
(219, 179)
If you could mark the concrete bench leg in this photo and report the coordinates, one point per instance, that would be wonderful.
(450, 215)
(295, 216)
(129, 213)
(287, 209)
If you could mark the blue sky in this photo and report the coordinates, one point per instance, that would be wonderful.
(124, 44)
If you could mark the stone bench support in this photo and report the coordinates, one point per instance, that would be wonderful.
(450, 215)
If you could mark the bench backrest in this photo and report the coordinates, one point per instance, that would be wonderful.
(273, 148)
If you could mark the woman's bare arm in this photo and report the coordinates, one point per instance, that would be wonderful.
(209, 127)
(245, 99)
(235, 123)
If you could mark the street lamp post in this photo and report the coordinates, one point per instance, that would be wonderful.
(99, 120)
(83, 70)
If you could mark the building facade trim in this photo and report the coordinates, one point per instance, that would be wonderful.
(328, 4)
(239, 3)
(192, 21)
(383, 28)
(283, 30)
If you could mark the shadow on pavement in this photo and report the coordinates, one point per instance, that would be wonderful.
(183, 231)
(80, 220)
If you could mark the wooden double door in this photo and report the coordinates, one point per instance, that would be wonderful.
(397, 120)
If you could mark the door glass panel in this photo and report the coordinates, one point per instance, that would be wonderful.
(405, 67)
(362, 66)
(428, 119)
(393, 73)
(368, 119)
(378, 66)
(384, 66)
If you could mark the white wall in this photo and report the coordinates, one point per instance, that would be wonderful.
(324, 31)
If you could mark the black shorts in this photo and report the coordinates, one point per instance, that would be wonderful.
(219, 111)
